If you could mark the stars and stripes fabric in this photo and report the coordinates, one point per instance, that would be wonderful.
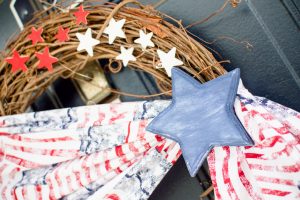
(92, 152)
(271, 168)
(104, 152)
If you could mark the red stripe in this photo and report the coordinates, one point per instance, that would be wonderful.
(128, 133)
(21, 138)
(4, 134)
(212, 168)
(77, 175)
(69, 180)
(112, 197)
(4, 190)
(118, 170)
(274, 192)
(147, 146)
(254, 155)
(107, 165)
(24, 193)
(4, 165)
(101, 117)
(53, 152)
(159, 138)
(59, 182)
(38, 192)
(87, 174)
(226, 177)
(287, 169)
(133, 148)
(275, 180)
(142, 128)
(119, 151)
(246, 183)
(20, 161)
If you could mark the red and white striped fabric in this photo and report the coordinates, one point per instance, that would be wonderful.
(104, 152)
(93, 152)
(271, 168)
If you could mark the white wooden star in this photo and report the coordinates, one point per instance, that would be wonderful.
(145, 40)
(86, 42)
(114, 29)
(126, 55)
(168, 60)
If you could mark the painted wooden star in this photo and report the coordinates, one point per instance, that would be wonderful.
(86, 42)
(126, 55)
(45, 59)
(168, 60)
(201, 116)
(81, 15)
(35, 35)
(17, 62)
(114, 30)
(145, 40)
(62, 34)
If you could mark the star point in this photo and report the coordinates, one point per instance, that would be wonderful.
(81, 15)
(17, 62)
(45, 59)
(201, 116)
(114, 30)
(126, 55)
(35, 35)
(62, 34)
(87, 42)
(168, 60)
(145, 40)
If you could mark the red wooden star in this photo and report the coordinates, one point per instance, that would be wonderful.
(81, 15)
(17, 62)
(62, 34)
(35, 35)
(46, 60)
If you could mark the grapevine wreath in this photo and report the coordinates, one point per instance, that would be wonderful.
(54, 35)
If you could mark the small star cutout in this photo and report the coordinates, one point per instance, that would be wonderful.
(168, 60)
(201, 116)
(62, 34)
(81, 15)
(145, 40)
(86, 42)
(35, 35)
(17, 62)
(114, 29)
(46, 60)
(126, 55)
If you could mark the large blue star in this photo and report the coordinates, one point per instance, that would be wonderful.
(201, 116)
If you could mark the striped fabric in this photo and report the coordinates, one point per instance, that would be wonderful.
(94, 152)
(104, 152)
(271, 168)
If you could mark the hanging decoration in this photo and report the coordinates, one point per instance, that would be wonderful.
(81, 15)
(17, 62)
(87, 42)
(35, 35)
(46, 60)
(62, 34)
(210, 122)
(145, 40)
(168, 60)
(104, 151)
(126, 55)
(114, 30)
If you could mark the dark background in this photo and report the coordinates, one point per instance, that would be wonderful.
(269, 68)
